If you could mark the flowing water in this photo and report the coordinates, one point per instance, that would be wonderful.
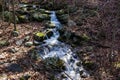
(54, 48)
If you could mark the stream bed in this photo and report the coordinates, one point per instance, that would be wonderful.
(54, 48)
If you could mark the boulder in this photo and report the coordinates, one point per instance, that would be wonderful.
(15, 33)
(40, 17)
(73, 38)
(43, 11)
(23, 18)
(28, 44)
(39, 36)
(50, 25)
(27, 38)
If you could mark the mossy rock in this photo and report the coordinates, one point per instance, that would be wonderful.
(40, 17)
(50, 25)
(60, 12)
(39, 36)
(43, 11)
(15, 33)
(4, 43)
(54, 64)
(28, 44)
(23, 18)
(36, 16)
(44, 16)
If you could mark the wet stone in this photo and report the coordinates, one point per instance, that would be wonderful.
(23, 18)
(13, 50)
(19, 42)
(15, 33)
(27, 38)
(50, 25)
(28, 44)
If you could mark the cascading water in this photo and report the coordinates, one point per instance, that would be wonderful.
(55, 48)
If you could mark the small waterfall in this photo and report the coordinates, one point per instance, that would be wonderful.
(55, 48)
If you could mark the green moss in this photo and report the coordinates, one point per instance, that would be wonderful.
(40, 34)
(40, 17)
(44, 16)
(23, 18)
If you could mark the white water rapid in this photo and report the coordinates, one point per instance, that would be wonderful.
(55, 48)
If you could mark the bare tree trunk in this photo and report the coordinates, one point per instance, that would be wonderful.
(14, 15)
(3, 10)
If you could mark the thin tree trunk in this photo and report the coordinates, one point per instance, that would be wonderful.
(9, 11)
(14, 15)
(3, 10)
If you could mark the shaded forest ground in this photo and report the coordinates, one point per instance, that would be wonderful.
(102, 51)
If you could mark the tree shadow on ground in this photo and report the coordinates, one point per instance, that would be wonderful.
(29, 62)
